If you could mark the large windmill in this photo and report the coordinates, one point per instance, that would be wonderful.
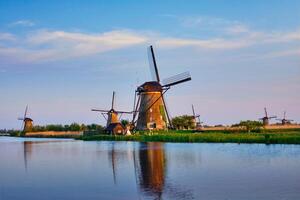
(150, 107)
(285, 121)
(266, 118)
(113, 125)
(27, 124)
(197, 120)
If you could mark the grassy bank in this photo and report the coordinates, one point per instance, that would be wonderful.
(291, 137)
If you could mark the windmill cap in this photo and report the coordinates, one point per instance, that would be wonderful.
(151, 86)
(28, 119)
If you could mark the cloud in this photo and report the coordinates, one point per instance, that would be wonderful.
(242, 38)
(217, 43)
(51, 45)
(290, 52)
(45, 45)
(23, 23)
(7, 37)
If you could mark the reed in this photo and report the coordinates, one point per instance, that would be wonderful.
(292, 137)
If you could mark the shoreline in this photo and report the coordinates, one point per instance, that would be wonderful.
(245, 138)
(290, 136)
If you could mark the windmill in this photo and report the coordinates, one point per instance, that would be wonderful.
(27, 124)
(196, 117)
(285, 121)
(113, 125)
(266, 118)
(150, 107)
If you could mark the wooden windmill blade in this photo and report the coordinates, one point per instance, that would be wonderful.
(100, 110)
(113, 100)
(177, 79)
(25, 114)
(272, 117)
(167, 111)
(124, 112)
(152, 64)
(266, 113)
(193, 111)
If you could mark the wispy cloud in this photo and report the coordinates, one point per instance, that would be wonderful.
(23, 23)
(7, 37)
(247, 39)
(48, 45)
(51, 45)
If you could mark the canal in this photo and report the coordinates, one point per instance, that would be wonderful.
(70, 169)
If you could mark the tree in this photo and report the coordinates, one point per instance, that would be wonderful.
(184, 122)
(124, 122)
(74, 127)
(250, 125)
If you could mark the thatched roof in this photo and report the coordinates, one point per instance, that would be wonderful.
(152, 86)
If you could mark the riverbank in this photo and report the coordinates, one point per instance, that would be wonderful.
(291, 137)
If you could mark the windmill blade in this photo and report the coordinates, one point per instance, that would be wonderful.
(166, 110)
(193, 111)
(113, 100)
(284, 113)
(25, 114)
(99, 110)
(198, 117)
(20, 118)
(23, 126)
(272, 117)
(152, 64)
(290, 120)
(266, 114)
(179, 78)
(123, 112)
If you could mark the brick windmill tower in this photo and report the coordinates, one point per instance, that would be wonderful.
(266, 118)
(150, 107)
(113, 125)
(27, 124)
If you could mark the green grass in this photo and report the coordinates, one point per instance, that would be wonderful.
(285, 137)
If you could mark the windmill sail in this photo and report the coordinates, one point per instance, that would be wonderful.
(193, 111)
(25, 114)
(179, 78)
(113, 100)
(152, 65)
(266, 114)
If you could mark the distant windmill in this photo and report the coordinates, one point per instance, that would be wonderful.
(266, 118)
(197, 120)
(285, 121)
(151, 105)
(27, 124)
(113, 124)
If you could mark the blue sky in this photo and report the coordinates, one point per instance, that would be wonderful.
(63, 58)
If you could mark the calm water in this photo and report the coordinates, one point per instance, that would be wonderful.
(68, 169)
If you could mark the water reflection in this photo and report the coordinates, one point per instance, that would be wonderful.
(152, 168)
(152, 173)
(126, 170)
(27, 147)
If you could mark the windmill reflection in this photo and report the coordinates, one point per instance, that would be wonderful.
(112, 156)
(27, 151)
(152, 168)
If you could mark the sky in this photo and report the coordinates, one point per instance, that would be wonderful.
(62, 58)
